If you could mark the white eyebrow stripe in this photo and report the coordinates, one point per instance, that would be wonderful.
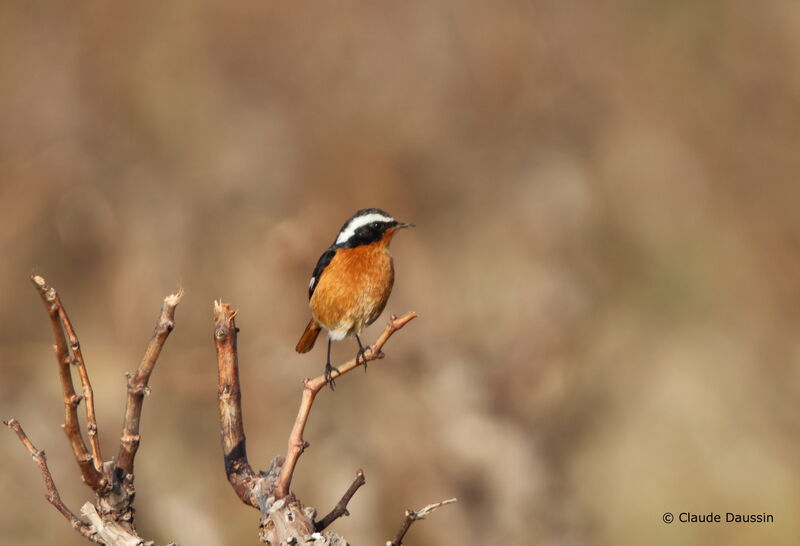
(356, 223)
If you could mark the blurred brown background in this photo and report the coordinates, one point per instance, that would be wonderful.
(606, 260)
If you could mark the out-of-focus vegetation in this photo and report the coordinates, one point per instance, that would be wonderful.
(606, 261)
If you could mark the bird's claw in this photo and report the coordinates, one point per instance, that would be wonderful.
(362, 354)
(329, 376)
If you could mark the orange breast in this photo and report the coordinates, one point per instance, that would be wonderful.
(353, 289)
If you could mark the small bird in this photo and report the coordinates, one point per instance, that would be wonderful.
(351, 282)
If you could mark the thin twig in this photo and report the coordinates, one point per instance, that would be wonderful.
(237, 468)
(88, 393)
(310, 389)
(52, 492)
(411, 517)
(90, 464)
(137, 384)
(341, 507)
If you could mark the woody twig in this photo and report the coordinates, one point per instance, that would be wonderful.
(284, 519)
(311, 388)
(249, 486)
(411, 517)
(90, 464)
(111, 518)
(341, 507)
(52, 492)
(137, 384)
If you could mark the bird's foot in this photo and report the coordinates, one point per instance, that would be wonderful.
(329, 375)
(361, 356)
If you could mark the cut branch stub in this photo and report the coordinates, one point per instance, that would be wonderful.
(229, 397)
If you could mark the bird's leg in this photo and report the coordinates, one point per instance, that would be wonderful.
(329, 368)
(361, 353)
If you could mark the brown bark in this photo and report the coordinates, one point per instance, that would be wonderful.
(311, 388)
(341, 507)
(111, 518)
(411, 517)
(137, 384)
(52, 492)
(284, 519)
(89, 463)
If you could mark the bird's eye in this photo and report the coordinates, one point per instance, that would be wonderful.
(375, 225)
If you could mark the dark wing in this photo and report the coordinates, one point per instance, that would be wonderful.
(322, 263)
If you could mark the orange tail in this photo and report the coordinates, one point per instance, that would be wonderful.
(309, 337)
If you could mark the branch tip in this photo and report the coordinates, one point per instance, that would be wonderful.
(412, 516)
(341, 507)
(174, 299)
(422, 512)
(223, 314)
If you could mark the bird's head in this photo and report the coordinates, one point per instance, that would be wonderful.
(368, 226)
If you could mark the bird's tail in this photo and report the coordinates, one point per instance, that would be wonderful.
(309, 337)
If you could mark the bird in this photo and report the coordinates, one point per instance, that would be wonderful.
(351, 282)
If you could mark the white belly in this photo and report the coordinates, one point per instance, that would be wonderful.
(339, 333)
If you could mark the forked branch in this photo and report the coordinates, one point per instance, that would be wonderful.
(284, 519)
(111, 518)
(311, 388)
(90, 464)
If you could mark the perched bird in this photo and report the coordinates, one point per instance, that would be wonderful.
(352, 281)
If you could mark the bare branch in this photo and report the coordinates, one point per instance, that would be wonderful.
(284, 518)
(137, 384)
(341, 507)
(411, 517)
(111, 517)
(88, 393)
(52, 492)
(237, 468)
(90, 464)
(310, 389)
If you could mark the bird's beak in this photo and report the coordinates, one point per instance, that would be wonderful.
(397, 227)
